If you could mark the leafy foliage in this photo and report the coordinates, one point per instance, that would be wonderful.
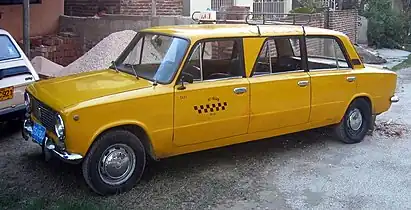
(386, 28)
(307, 6)
(307, 10)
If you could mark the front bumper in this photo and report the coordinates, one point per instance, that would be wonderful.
(394, 99)
(48, 146)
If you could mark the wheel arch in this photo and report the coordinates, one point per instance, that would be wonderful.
(136, 128)
(364, 96)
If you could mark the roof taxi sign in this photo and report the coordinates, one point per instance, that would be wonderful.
(205, 16)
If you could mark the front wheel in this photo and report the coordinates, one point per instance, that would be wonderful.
(355, 123)
(115, 163)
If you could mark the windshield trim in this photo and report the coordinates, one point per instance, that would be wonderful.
(133, 43)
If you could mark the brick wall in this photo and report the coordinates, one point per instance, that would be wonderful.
(169, 7)
(135, 7)
(89, 8)
(346, 22)
(341, 20)
(128, 7)
(62, 48)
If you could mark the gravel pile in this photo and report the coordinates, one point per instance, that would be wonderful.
(101, 55)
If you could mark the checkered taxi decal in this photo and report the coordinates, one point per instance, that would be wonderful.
(210, 108)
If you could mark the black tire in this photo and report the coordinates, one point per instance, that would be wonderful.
(345, 133)
(92, 170)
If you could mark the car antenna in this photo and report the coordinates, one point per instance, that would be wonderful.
(113, 63)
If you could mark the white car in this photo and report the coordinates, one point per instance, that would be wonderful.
(16, 72)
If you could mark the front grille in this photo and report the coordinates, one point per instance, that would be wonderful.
(43, 113)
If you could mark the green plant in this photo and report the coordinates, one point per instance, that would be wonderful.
(306, 6)
(386, 28)
(308, 10)
(405, 64)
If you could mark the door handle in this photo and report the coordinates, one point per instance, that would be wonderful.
(351, 79)
(303, 83)
(240, 90)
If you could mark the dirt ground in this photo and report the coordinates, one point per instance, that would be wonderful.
(308, 170)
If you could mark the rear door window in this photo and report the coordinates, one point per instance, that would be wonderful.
(7, 49)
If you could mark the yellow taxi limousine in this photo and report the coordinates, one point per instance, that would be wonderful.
(181, 89)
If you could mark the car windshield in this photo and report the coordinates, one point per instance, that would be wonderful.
(7, 49)
(153, 57)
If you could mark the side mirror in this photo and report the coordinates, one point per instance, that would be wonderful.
(188, 78)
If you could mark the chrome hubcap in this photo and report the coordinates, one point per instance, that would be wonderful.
(117, 164)
(355, 119)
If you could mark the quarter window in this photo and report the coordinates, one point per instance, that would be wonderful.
(279, 54)
(325, 53)
(218, 59)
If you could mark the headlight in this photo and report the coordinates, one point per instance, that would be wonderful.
(59, 128)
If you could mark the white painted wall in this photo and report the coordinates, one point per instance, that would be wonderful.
(199, 5)
(288, 6)
(247, 3)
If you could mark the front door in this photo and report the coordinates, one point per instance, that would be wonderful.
(280, 88)
(216, 105)
(332, 78)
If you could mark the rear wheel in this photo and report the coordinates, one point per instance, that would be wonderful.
(355, 123)
(115, 163)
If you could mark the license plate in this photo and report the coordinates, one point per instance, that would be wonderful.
(6, 93)
(39, 133)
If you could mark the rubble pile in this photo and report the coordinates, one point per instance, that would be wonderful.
(101, 55)
(390, 129)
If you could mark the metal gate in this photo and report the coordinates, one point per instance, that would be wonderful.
(269, 6)
(217, 5)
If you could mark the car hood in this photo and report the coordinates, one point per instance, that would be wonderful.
(62, 92)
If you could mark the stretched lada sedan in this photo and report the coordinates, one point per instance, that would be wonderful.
(181, 89)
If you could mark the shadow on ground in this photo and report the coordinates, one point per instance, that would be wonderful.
(27, 180)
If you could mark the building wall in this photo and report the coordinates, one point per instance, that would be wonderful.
(90, 31)
(191, 6)
(89, 8)
(42, 22)
(169, 7)
(85, 8)
(136, 7)
(345, 21)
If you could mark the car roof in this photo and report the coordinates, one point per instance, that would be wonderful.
(204, 31)
(2, 31)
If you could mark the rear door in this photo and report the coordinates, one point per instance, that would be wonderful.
(334, 82)
(280, 87)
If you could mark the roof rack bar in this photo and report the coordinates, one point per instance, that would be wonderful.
(256, 18)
